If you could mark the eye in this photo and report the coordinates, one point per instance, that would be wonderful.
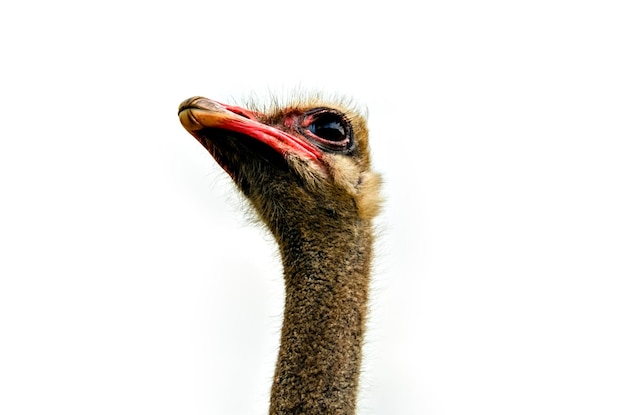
(328, 129)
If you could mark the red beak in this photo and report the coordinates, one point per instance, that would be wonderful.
(198, 113)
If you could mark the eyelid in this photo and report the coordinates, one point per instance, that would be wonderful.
(343, 146)
(308, 120)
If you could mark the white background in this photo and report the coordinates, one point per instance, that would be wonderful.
(132, 283)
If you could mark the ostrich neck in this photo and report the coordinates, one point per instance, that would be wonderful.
(326, 290)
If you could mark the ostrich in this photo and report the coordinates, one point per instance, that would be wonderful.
(305, 169)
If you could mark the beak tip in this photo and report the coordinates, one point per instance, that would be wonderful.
(193, 112)
(201, 103)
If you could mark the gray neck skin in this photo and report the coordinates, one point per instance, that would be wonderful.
(326, 291)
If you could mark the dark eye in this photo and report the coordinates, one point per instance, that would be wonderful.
(328, 129)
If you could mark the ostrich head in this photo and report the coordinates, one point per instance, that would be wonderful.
(305, 165)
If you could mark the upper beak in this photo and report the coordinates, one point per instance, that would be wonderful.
(198, 113)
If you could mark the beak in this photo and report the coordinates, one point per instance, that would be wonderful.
(198, 113)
